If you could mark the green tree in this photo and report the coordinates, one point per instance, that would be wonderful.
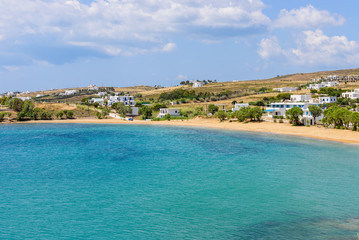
(212, 108)
(293, 115)
(242, 114)
(145, 112)
(316, 111)
(221, 115)
(355, 120)
(122, 109)
(167, 117)
(255, 113)
(98, 115)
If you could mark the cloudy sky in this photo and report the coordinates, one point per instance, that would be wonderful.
(68, 43)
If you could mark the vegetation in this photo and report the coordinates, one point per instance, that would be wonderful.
(145, 112)
(244, 113)
(316, 111)
(341, 118)
(212, 108)
(293, 115)
(221, 115)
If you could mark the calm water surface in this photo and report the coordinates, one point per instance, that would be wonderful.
(83, 181)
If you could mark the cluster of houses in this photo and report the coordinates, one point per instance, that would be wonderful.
(303, 102)
(317, 86)
(344, 78)
(285, 89)
(354, 94)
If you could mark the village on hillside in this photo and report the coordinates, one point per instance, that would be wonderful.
(331, 100)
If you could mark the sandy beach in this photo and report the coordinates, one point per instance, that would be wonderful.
(344, 136)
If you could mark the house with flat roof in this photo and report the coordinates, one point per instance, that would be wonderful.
(238, 106)
(300, 98)
(127, 100)
(286, 89)
(280, 108)
(351, 94)
(170, 111)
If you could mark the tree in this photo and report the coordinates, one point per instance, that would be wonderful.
(16, 104)
(293, 115)
(167, 117)
(69, 114)
(212, 108)
(145, 111)
(122, 109)
(105, 112)
(255, 114)
(355, 120)
(234, 102)
(221, 115)
(316, 111)
(59, 114)
(98, 115)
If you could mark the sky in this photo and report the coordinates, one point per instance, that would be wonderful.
(47, 44)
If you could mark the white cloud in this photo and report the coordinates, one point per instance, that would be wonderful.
(11, 68)
(181, 77)
(269, 47)
(314, 48)
(307, 17)
(169, 47)
(116, 27)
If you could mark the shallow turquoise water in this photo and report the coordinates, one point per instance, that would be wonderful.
(66, 181)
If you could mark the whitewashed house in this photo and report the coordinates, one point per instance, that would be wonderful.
(238, 106)
(39, 95)
(69, 92)
(10, 94)
(327, 99)
(317, 86)
(280, 108)
(351, 94)
(101, 94)
(333, 77)
(92, 87)
(286, 89)
(170, 111)
(100, 101)
(24, 98)
(197, 84)
(300, 98)
(127, 100)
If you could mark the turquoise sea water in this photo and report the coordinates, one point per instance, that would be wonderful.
(83, 181)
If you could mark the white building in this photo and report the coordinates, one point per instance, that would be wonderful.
(317, 86)
(197, 84)
(352, 94)
(286, 89)
(300, 98)
(100, 101)
(101, 94)
(24, 98)
(93, 87)
(238, 106)
(127, 100)
(170, 111)
(69, 92)
(280, 108)
(39, 95)
(10, 94)
(333, 77)
(324, 100)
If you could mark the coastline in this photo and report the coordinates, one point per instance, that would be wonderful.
(344, 136)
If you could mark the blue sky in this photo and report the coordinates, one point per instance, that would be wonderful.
(72, 43)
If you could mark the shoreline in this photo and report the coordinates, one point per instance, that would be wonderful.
(336, 135)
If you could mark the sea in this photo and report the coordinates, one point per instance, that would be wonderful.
(97, 181)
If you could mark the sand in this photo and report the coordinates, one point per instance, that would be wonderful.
(344, 136)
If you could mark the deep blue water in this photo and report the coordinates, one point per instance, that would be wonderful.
(83, 181)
